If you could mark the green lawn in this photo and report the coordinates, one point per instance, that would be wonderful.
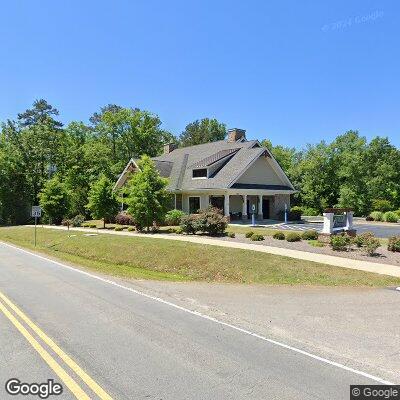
(147, 258)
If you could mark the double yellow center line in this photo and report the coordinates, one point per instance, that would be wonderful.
(72, 385)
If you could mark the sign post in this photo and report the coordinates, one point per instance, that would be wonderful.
(36, 213)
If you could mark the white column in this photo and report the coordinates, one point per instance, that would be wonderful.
(244, 207)
(226, 205)
(260, 207)
(328, 223)
(206, 202)
(349, 220)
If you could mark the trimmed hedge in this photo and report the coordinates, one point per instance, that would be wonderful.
(293, 237)
(394, 244)
(311, 234)
(279, 236)
(256, 237)
(340, 242)
(249, 234)
(390, 216)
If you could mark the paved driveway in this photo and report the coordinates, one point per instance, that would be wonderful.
(382, 231)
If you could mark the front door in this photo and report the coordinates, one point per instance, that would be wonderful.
(218, 202)
(265, 203)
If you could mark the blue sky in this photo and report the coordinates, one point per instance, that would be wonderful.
(294, 72)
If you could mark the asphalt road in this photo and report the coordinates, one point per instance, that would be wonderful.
(132, 346)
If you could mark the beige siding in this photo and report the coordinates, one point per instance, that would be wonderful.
(261, 172)
(204, 201)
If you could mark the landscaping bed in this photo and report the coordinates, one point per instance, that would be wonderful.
(383, 255)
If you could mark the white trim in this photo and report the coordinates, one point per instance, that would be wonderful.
(131, 161)
(274, 164)
(208, 318)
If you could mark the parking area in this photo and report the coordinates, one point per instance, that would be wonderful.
(382, 231)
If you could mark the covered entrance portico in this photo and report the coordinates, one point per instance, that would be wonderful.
(241, 205)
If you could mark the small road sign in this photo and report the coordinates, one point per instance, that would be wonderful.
(36, 211)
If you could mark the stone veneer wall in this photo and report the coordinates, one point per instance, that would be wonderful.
(279, 204)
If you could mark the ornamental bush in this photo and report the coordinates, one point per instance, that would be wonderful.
(376, 215)
(231, 234)
(249, 234)
(189, 224)
(293, 237)
(309, 211)
(256, 237)
(340, 242)
(390, 216)
(118, 228)
(211, 221)
(311, 234)
(123, 218)
(78, 220)
(370, 245)
(394, 244)
(279, 236)
(362, 239)
(173, 217)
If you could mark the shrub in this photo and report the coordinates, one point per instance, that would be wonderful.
(311, 234)
(361, 240)
(369, 218)
(279, 236)
(382, 205)
(309, 211)
(390, 216)
(231, 234)
(249, 234)
(340, 242)
(256, 237)
(123, 218)
(211, 221)
(293, 237)
(398, 213)
(77, 220)
(370, 245)
(92, 226)
(131, 228)
(189, 224)
(376, 215)
(173, 217)
(65, 222)
(394, 244)
(86, 225)
(118, 228)
(178, 230)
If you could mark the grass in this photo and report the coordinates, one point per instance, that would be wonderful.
(150, 258)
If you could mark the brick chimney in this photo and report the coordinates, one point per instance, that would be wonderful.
(236, 134)
(168, 148)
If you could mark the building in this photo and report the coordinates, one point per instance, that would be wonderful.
(236, 175)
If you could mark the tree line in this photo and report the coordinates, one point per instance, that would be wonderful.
(40, 156)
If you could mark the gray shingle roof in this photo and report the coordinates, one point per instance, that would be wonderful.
(206, 162)
(180, 177)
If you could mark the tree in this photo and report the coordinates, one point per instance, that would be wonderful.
(54, 200)
(96, 117)
(103, 203)
(203, 131)
(147, 198)
(41, 112)
(131, 133)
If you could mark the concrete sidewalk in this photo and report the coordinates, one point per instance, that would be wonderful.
(383, 269)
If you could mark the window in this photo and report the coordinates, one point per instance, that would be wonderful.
(200, 173)
(194, 205)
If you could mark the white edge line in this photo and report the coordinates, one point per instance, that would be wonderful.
(205, 316)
